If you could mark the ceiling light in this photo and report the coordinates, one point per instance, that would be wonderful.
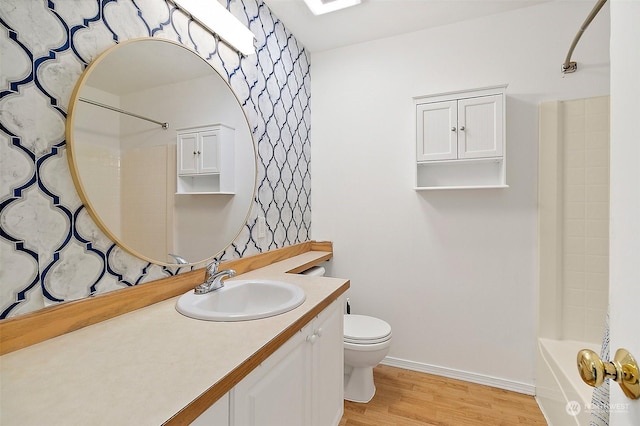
(319, 7)
(215, 18)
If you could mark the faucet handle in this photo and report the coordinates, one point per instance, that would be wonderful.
(212, 268)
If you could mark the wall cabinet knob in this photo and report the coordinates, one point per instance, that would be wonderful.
(623, 370)
(462, 128)
(453, 129)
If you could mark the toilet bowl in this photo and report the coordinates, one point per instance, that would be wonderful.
(366, 342)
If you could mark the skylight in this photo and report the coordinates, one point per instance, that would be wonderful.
(319, 7)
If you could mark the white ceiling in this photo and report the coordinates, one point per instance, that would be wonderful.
(374, 19)
(133, 67)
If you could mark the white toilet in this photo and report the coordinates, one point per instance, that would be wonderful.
(366, 342)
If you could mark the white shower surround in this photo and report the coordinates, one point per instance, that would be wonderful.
(573, 239)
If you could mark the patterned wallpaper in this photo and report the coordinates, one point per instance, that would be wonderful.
(50, 249)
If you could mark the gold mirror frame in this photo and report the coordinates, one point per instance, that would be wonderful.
(73, 156)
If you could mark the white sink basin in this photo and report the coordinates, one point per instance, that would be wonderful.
(241, 300)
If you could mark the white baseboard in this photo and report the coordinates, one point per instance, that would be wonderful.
(510, 385)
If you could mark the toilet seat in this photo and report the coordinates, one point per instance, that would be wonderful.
(365, 330)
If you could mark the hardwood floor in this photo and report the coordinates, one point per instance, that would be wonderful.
(408, 398)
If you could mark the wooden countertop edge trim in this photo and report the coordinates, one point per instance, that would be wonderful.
(28, 329)
(188, 414)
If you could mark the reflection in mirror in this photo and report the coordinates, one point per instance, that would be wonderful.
(131, 172)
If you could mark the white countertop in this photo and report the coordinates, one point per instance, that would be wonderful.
(143, 367)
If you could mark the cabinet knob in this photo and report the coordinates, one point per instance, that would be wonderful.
(453, 129)
(198, 152)
(319, 332)
(312, 339)
(194, 153)
(462, 128)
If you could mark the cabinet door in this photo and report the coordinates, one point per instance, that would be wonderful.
(480, 127)
(327, 372)
(278, 392)
(216, 415)
(187, 153)
(436, 137)
(209, 160)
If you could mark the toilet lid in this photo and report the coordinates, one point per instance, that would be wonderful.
(364, 329)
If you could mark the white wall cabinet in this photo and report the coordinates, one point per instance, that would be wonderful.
(460, 140)
(205, 160)
(299, 384)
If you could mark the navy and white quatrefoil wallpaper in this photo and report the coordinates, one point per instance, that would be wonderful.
(50, 249)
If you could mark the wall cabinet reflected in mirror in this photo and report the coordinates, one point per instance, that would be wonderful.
(206, 160)
(133, 175)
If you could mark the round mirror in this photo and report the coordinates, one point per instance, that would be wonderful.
(161, 152)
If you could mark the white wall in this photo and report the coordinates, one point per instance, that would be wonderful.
(453, 272)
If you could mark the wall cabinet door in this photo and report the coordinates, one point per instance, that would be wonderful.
(209, 160)
(436, 131)
(480, 127)
(188, 148)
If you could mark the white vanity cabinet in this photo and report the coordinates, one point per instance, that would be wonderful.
(301, 383)
(460, 139)
(205, 160)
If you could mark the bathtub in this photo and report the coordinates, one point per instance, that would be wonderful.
(558, 382)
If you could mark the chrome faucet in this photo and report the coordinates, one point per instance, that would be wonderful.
(213, 278)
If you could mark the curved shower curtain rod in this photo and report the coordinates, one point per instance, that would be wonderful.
(568, 66)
